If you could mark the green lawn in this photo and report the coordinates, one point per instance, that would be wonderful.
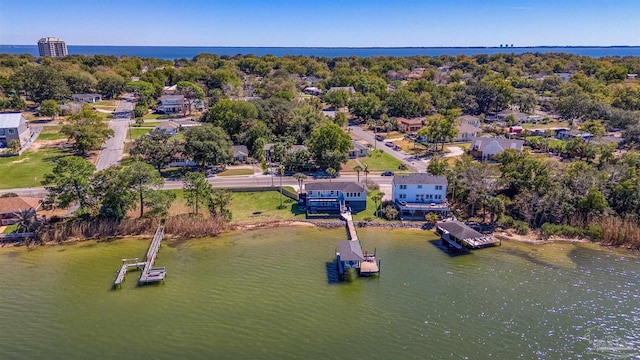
(263, 206)
(29, 169)
(135, 133)
(380, 161)
(369, 212)
(235, 172)
(51, 133)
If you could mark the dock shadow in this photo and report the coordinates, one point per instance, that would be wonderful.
(438, 243)
(332, 273)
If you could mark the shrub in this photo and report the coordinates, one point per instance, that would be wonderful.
(372, 185)
(521, 227)
(505, 221)
(594, 231)
(390, 212)
(548, 230)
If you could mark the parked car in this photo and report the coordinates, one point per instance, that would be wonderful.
(396, 147)
(379, 137)
(387, 173)
(389, 144)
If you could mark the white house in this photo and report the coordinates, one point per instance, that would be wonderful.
(328, 197)
(171, 104)
(486, 147)
(13, 126)
(86, 98)
(358, 149)
(468, 127)
(417, 194)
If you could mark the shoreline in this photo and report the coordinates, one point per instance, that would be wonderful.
(327, 224)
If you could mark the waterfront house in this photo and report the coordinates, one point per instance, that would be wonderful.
(172, 127)
(334, 197)
(10, 208)
(13, 126)
(358, 149)
(486, 148)
(171, 104)
(468, 127)
(86, 98)
(409, 125)
(418, 194)
(240, 153)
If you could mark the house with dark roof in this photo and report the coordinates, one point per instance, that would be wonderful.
(418, 194)
(333, 197)
(409, 125)
(460, 236)
(240, 153)
(13, 126)
(86, 98)
(486, 148)
(10, 207)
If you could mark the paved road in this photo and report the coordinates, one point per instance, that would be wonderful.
(233, 181)
(112, 150)
(419, 165)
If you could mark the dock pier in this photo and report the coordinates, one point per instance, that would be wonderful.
(350, 254)
(149, 273)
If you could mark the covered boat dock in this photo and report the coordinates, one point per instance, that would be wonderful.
(460, 236)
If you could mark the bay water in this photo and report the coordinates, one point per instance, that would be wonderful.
(272, 293)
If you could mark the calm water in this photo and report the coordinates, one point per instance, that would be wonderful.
(176, 52)
(267, 294)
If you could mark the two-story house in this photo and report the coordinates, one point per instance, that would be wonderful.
(171, 104)
(334, 197)
(13, 126)
(418, 194)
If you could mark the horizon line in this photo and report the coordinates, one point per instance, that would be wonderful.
(354, 47)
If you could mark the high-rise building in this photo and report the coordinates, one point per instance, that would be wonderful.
(51, 46)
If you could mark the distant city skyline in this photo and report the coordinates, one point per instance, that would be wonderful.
(295, 23)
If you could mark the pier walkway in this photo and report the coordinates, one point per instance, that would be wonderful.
(350, 254)
(351, 228)
(149, 273)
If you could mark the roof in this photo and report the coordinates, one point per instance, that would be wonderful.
(469, 128)
(10, 120)
(464, 118)
(575, 132)
(414, 121)
(240, 150)
(419, 179)
(481, 143)
(49, 39)
(356, 145)
(459, 230)
(347, 88)
(519, 115)
(86, 95)
(350, 250)
(171, 97)
(343, 186)
(15, 204)
(170, 88)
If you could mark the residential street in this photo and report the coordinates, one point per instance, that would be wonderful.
(112, 150)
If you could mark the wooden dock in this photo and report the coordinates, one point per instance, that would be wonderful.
(351, 228)
(149, 273)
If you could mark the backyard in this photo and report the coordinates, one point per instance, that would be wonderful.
(376, 161)
(29, 169)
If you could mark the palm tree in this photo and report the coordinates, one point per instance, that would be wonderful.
(376, 198)
(358, 169)
(27, 220)
(300, 177)
(331, 172)
(366, 173)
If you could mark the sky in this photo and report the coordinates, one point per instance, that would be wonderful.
(318, 23)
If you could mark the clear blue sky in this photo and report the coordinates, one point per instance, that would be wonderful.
(350, 23)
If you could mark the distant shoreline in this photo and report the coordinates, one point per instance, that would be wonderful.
(344, 47)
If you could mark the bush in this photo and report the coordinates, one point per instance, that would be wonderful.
(372, 185)
(505, 221)
(594, 231)
(403, 166)
(548, 230)
(390, 212)
(521, 227)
